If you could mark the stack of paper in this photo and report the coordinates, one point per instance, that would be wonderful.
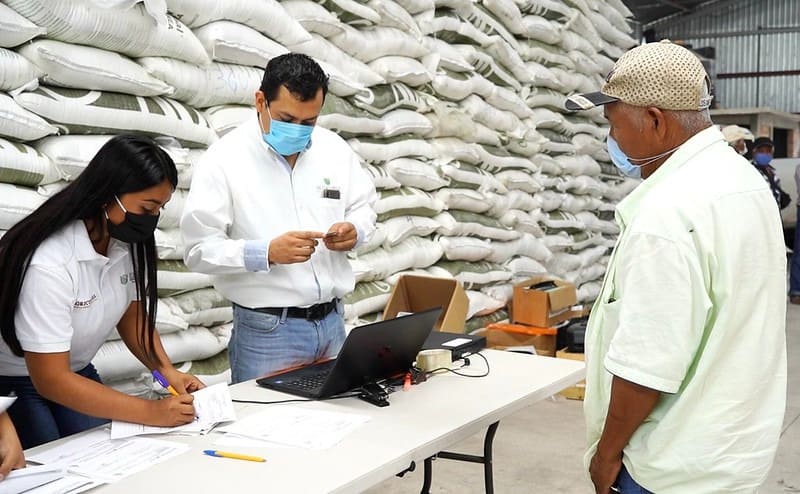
(95, 458)
(298, 427)
(212, 406)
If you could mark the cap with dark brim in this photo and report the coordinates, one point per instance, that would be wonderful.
(587, 101)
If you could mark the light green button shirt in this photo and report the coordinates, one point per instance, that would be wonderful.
(694, 305)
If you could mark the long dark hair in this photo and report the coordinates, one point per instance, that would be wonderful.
(126, 163)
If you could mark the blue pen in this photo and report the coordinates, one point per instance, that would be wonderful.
(163, 382)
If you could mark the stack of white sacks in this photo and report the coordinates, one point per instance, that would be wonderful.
(454, 106)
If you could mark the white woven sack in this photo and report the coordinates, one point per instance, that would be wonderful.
(16, 203)
(396, 68)
(93, 112)
(170, 216)
(322, 49)
(523, 267)
(87, 67)
(394, 15)
(24, 165)
(71, 154)
(313, 17)
(401, 121)
(450, 57)
(376, 42)
(266, 16)
(339, 83)
(18, 123)
(130, 31)
(210, 85)
(464, 199)
(366, 298)
(16, 29)
(114, 361)
(16, 71)
(481, 304)
(465, 248)
(178, 279)
(452, 149)
(417, 6)
(231, 42)
(400, 228)
(375, 241)
(380, 152)
(381, 178)
(169, 244)
(588, 292)
(416, 173)
(225, 118)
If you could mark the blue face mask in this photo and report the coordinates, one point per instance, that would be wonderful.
(620, 160)
(762, 159)
(287, 138)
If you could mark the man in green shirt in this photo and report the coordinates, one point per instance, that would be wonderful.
(686, 351)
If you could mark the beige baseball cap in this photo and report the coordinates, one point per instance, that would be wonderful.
(663, 75)
(733, 133)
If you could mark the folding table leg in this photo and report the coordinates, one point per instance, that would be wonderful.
(487, 461)
(427, 476)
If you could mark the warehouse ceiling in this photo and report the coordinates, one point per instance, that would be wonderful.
(647, 11)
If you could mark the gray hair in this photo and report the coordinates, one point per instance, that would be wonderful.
(692, 121)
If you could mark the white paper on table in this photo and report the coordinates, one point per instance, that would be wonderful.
(5, 402)
(235, 440)
(25, 479)
(212, 406)
(70, 484)
(109, 460)
(299, 427)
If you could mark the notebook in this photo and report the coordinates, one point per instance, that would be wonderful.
(370, 353)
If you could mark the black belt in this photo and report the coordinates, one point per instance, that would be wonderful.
(313, 313)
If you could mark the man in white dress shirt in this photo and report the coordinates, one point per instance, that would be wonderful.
(273, 208)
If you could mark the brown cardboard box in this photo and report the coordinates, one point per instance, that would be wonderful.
(418, 293)
(543, 308)
(578, 391)
(504, 335)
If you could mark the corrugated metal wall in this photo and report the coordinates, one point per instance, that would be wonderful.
(740, 30)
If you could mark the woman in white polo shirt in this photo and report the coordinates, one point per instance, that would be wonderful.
(76, 268)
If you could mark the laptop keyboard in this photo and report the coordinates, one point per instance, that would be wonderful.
(311, 381)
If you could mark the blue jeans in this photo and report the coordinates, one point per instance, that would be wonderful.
(626, 485)
(794, 268)
(263, 343)
(39, 420)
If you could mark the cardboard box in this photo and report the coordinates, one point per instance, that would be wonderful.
(502, 336)
(418, 293)
(543, 307)
(578, 391)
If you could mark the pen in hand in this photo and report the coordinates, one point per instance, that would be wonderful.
(164, 383)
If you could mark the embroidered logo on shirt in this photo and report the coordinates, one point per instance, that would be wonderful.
(84, 304)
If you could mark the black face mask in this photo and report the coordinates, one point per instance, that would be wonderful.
(136, 227)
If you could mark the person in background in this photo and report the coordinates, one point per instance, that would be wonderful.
(736, 137)
(762, 157)
(11, 455)
(274, 207)
(676, 399)
(794, 270)
(80, 265)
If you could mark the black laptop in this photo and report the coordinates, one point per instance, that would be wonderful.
(370, 353)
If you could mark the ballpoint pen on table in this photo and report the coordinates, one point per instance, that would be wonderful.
(164, 383)
(235, 456)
